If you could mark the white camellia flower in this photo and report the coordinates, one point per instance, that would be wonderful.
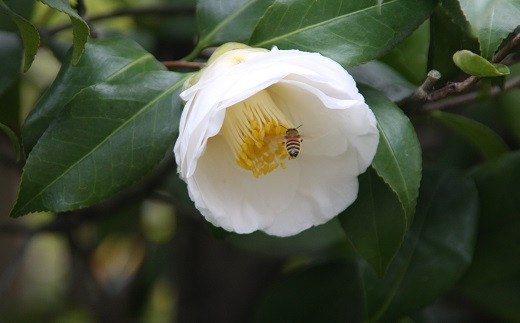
(273, 140)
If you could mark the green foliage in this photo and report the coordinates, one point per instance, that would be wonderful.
(398, 157)
(350, 32)
(435, 253)
(30, 36)
(486, 141)
(80, 28)
(494, 276)
(477, 65)
(491, 22)
(98, 145)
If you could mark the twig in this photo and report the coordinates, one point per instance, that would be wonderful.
(469, 97)
(166, 11)
(183, 64)
(508, 48)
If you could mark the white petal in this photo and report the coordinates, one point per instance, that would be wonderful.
(233, 198)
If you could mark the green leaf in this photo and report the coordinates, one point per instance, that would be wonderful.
(221, 21)
(383, 78)
(398, 157)
(102, 60)
(494, 276)
(477, 65)
(447, 37)
(29, 33)
(486, 141)
(80, 28)
(325, 292)
(491, 21)
(14, 139)
(375, 223)
(436, 251)
(106, 138)
(11, 57)
(349, 32)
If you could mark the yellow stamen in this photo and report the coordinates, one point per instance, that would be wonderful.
(255, 129)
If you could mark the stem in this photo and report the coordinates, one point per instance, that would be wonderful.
(469, 97)
(183, 64)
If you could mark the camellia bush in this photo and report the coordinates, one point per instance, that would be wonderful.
(261, 160)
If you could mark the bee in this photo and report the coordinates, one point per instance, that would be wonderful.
(293, 141)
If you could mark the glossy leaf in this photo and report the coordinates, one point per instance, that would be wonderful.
(383, 78)
(350, 32)
(102, 60)
(494, 276)
(11, 55)
(221, 21)
(398, 157)
(491, 21)
(29, 33)
(80, 28)
(375, 223)
(436, 251)
(486, 141)
(106, 138)
(477, 65)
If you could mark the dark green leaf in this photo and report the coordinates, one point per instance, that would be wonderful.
(11, 54)
(494, 276)
(410, 57)
(383, 78)
(447, 37)
(22, 7)
(375, 223)
(221, 21)
(398, 157)
(326, 292)
(14, 139)
(106, 138)
(477, 65)
(486, 141)
(435, 253)
(350, 32)
(102, 60)
(491, 21)
(30, 35)
(80, 28)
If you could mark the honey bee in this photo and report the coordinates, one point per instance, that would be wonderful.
(293, 141)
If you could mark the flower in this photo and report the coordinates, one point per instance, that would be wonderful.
(246, 113)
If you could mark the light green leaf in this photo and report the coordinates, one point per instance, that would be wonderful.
(106, 138)
(349, 32)
(375, 224)
(477, 65)
(437, 248)
(221, 21)
(398, 158)
(80, 28)
(491, 21)
(29, 33)
(14, 139)
(486, 141)
(492, 281)
(102, 60)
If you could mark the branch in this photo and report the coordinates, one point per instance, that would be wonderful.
(458, 87)
(469, 97)
(152, 11)
(183, 64)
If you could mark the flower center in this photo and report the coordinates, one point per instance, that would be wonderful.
(255, 130)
